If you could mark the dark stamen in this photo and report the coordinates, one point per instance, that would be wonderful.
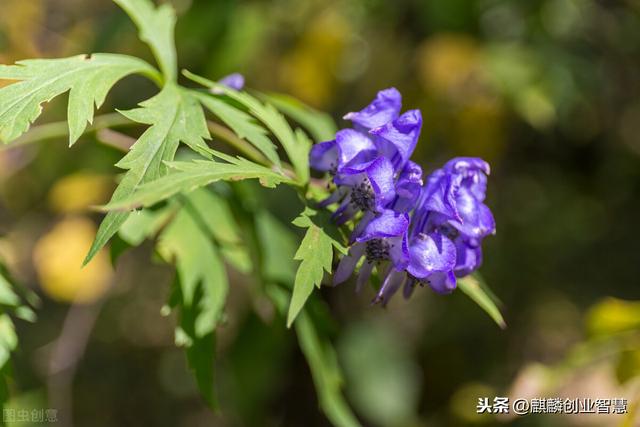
(377, 250)
(362, 196)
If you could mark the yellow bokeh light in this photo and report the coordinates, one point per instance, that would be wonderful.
(79, 191)
(58, 257)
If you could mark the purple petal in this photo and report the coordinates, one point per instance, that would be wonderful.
(468, 258)
(354, 147)
(396, 140)
(348, 264)
(408, 188)
(465, 165)
(399, 251)
(470, 172)
(364, 275)
(233, 81)
(381, 177)
(412, 172)
(390, 286)
(384, 108)
(409, 286)
(387, 224)
(431, 253)
(443, 283)
(324, 156)
(438, 195)
(477, 219)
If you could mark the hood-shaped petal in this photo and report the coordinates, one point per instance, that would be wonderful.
(397, 139)
(384, 108)
(324, 156)
(431, 253)
(477, 219)
(438, 195)
(468, 257)
(354, 147)
(387, 224)
(443, 283)
(470, 172)
(408, 187)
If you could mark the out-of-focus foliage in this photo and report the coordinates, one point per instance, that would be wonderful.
(546, 90)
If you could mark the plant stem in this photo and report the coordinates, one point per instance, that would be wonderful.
(238, 143)
(113, 120)
(61, 129)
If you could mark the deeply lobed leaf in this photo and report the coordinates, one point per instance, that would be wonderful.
(296, 148)
(316, 256)
(88, 78)
(156, 26)
(174, 116)
(188, 176)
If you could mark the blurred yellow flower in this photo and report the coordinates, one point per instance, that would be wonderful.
(79, 191)
(613, 315)
(447, 63)
(58, 257)
(309, 69)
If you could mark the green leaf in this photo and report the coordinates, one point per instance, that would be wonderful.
(242, 124)
(202, 292)
(298, 153)
(278, 246)
(156, 26)
(385, 389)
(221, 224)
(187, 241)
(145, 223)
(316, 256)
(7, 295)
(8, 338)
(175, 116)
(191, 175)
(475, 288)
(323, 364)
(88, 78)
(319, 124)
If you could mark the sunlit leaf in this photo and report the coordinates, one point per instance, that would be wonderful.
(202, 291)
(272, 119)
(319, 124)
(88, 78)
(242, 124)
(174, 116)
(474, 287)
(188, 176)
(221, 224)
(278, 246)
(156, 26)
(316, 256)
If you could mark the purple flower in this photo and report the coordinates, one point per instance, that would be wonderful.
(397, 139)
(385, 108)
(233, 81)
(349, 148)
(382, 241)
(449, 224)
(367, 187)
(412, 232)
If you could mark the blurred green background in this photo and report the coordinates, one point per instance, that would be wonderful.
(548, 91)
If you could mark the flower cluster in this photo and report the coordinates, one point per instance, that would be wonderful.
(413, 231)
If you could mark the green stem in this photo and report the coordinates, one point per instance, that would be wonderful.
(236, 142)
(61, 129)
